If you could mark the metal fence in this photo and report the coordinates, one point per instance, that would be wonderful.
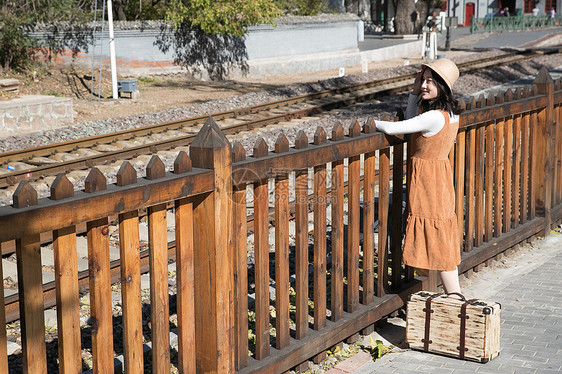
(513, 23)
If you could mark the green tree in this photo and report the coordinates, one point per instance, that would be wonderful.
(15, 46)
(210, 34)
(222, 17)
(62, 23)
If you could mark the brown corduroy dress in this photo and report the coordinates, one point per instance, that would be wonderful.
(431, 240)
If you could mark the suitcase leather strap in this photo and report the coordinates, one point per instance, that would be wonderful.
(428, 311)
(463, 316)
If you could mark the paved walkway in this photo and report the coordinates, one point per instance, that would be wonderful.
(528, 285)
(461, 38)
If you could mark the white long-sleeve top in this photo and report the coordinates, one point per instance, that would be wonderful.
(428, 123)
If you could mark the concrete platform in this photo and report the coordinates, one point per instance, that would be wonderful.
(28, 113)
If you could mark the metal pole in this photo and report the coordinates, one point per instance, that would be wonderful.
(448, 24)
(112, 50)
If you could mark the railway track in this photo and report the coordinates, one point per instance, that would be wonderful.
(36, 163)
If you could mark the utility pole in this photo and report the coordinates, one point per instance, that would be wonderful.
(112, 50)
(448, 24)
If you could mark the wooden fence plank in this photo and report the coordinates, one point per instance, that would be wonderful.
(301, 244)
(159, 300)
(66, 281)
(28, 252)
(68, 315)
(261, 258)
(240, 267)
(507, 174)
(459, 183)
(489, 183)
(470, 170)
(282, 284)
(516, 190)
(369, 227)
(130, 279)
(558, 165)
(353, 230)
(479, 186)
(185, 296)
(384, 193)
(185, 285)
(498, 181)
(319, 261)
(337, 200)
(557, 190)
(130, 290)
(319, 210)
(261, 253)
(533, 148)
(525, 147)
(545, 159)
(100, 295)
(100, 282)
(396, 232)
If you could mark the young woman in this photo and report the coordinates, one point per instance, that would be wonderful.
(432, 239)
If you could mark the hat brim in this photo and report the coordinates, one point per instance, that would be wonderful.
(441, 74)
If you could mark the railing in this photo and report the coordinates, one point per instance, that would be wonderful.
(522, 22)
(315, 280)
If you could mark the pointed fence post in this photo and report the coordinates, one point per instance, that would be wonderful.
(186, 285)
(239, 265)
(100, 281)
(30, 288)
(544, 161)
(212, 215)
(66, 280)
(159, 299)
(129, 254)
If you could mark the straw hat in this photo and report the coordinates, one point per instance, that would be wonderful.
(446, 69)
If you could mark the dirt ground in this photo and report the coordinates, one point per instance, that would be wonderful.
(158, 92)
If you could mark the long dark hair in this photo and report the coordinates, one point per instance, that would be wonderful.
(444, 100)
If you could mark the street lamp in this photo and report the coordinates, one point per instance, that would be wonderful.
(450, 22)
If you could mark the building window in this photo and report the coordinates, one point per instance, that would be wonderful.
(528, 6)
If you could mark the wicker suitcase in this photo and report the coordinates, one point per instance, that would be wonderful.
(467, 329)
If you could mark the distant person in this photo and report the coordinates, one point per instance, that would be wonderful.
(432, 22)
(535, 11)
(506, 12)
(552, 12)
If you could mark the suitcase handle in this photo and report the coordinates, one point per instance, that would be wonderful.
(458, 294)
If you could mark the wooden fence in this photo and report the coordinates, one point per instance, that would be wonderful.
(323, 273)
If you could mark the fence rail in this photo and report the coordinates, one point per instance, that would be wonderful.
(310, 282)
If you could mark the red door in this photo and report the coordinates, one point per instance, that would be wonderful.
(468, 13)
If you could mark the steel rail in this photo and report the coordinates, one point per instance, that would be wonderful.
(317, 102)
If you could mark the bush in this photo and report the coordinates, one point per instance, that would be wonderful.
(16, 48)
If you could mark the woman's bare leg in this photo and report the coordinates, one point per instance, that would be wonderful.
(450, 280)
